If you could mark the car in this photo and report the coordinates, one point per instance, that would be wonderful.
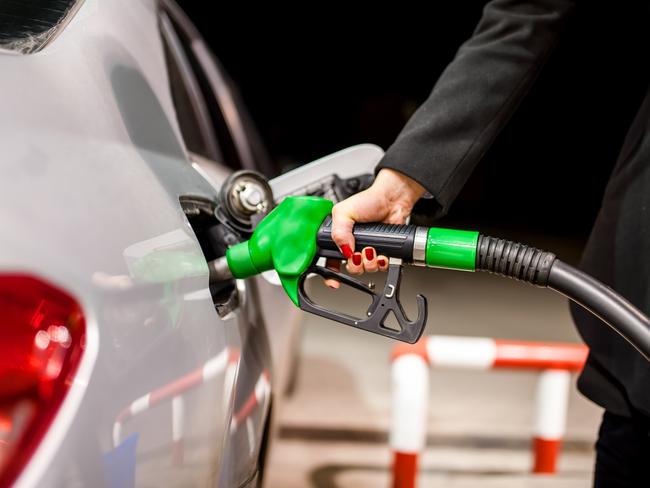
(116, 355)
(121, 364)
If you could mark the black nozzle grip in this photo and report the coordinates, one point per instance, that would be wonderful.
(394, 241)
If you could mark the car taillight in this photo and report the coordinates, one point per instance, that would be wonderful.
(42, 333)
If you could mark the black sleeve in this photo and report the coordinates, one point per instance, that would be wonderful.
(476, 95)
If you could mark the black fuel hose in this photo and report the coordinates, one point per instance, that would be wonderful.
(604, 303)
(541, 268)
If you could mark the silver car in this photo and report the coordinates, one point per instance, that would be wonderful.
(120, 364)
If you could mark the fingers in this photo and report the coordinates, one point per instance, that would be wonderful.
(355, 264)
(382, 262)
(366, 261)
(335, 265)
(369, 259)
(342, 224)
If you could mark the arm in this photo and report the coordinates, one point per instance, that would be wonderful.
(472, 101)
(476, 95)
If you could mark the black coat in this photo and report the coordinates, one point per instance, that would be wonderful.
(470, 104)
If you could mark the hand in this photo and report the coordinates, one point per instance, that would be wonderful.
(390, 199)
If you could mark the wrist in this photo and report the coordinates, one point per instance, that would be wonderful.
(400, 185)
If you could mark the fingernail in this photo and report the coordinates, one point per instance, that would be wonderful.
(356, 258)
(346, 250)
(382, 262)
(370, 254)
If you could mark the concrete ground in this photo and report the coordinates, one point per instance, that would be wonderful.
(332, 429)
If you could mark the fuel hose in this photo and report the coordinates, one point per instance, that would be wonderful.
(541, 268)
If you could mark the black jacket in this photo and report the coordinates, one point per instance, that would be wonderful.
(470, 104)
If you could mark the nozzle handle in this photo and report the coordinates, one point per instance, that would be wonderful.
(395, 241)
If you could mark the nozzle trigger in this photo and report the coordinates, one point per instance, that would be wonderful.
(381, 306)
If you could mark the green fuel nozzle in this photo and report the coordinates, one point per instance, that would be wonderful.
(298, 231)
(284, 241)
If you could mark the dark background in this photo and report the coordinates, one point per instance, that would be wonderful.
(320, 79)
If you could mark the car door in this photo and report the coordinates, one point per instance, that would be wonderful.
(201, 419)
(220, 138)
(103, 200)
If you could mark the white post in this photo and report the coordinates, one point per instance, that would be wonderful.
(550, 418)
(178, 414)
(410, 390)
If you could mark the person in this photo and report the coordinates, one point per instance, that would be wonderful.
(440, 146)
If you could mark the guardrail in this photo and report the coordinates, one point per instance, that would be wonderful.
(225, 363)
(410, 391)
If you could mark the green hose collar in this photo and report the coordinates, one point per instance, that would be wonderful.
(451, 249)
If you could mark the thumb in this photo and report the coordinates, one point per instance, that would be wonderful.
(342, 224)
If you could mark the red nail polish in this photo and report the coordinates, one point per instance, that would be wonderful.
(382, 262)
(356, 258)
(346, 250)
(370, 254)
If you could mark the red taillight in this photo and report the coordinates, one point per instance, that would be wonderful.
(41, 342)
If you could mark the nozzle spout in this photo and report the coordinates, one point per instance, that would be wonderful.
(219, 270)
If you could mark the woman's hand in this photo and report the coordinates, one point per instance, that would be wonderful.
(390, 199)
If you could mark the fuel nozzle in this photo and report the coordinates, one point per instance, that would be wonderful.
(219, 270)
(284, 241)
(296, 233)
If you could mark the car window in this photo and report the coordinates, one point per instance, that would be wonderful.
(26, 26)
(190, 104)
(239, 144)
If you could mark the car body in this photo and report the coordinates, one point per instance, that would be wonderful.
(102, 200)
(120, 363)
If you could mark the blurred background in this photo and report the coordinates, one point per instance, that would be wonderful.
(322, 78)
(318, 79)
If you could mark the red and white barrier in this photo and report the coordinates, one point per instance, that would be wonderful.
(410, 380)
(178, 415)
(551, 404)
(258, 396)
(224, 363)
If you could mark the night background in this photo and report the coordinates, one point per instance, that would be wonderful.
(317, 81)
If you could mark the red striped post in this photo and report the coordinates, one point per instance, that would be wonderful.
(224, 363)
(410, 395)
(410, 380)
